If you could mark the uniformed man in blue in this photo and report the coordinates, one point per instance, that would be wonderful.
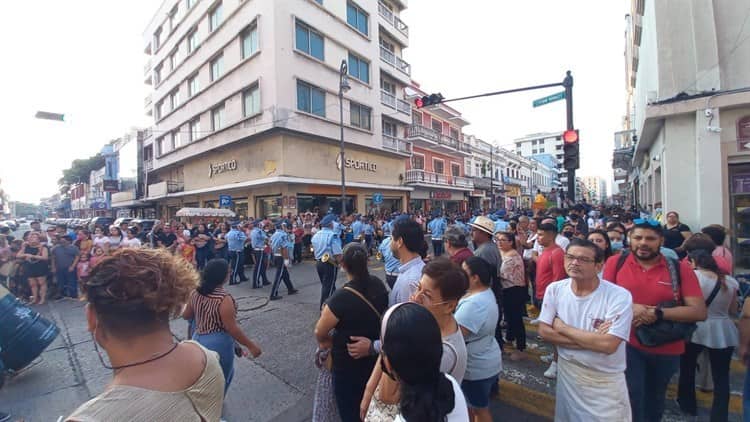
(437, 227)
(369, 230)
(357, 227)
(326, 243)
(500, 224)
(387, 226)
(280, 251)
(235, 245)
(258, 243)
(391, 262)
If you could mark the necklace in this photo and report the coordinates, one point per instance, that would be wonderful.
(117, 368)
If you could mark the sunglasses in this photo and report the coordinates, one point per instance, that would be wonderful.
(649, 221)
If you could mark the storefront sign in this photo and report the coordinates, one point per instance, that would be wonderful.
(741, 183)
(225, 201)
(223, 167)
(377, 198)
(110, 186)
(513, 190)
(440, 194)
(357, 164)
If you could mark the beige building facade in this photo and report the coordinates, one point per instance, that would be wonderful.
(246, 104)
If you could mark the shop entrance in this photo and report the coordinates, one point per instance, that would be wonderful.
(322, 203)
(739, 186)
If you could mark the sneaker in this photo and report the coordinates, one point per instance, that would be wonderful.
(277, 297)
(551, 372)
(292, 292)
(4, 417)
(547, 358)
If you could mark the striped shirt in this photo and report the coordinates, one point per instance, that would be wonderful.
(206, 309)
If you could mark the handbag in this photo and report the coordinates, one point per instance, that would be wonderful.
(665, 331)
(329, 359)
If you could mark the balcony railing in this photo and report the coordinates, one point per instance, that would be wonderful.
(148, 165)
(395, 61)
(393, 19)
(394, 144)
(391, 101)
(147, 101)
(421, 176)
(419, 131)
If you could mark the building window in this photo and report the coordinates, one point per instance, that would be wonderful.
(454, 133)
(174, 99)
(173, 61)
(311, 99)
(359, 68)
(157, 39)
(189, 4)
(251, 101)
(437, 126)
(171, 18)
(217, 67)
(541, 150)
(309, 41)
(195, 129)
(192, 41)
(388, 86)
(193, 86)
(438, 166)
(455, 170)
(416, 118)
(417, 162)
(389, 128)
(159, 110)
(249, 39)
(320, 2)
(217, 118)
(176, 138)
(356, 17)
(360, 115)
(533, 151)
(160, 146)
(214, 18)
(157, 74)
(559, 147)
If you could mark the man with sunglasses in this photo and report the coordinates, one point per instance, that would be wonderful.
(645, 273)
(589, 320)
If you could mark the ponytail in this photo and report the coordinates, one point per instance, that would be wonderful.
(705, 261)
(427, 402)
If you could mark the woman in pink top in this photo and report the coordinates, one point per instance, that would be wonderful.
(718, 234)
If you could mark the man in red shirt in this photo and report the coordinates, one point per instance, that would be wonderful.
(550, 267)
(646, 275)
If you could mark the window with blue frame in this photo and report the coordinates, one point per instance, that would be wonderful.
(356, 17)
(309, 41)
(311, 99)
(359, 68)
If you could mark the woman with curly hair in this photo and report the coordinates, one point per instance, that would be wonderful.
(131, 297)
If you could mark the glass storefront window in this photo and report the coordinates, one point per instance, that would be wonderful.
(388, 204)
(268, 206)
(321, 203)
(239, 206)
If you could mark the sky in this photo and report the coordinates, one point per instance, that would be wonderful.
(85, 59)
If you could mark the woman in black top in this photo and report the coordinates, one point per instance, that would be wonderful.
(36, 267)
(675, 233)
(349, 315)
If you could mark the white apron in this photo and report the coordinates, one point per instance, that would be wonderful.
(585, 394)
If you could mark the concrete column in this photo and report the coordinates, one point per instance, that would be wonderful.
(709, 189)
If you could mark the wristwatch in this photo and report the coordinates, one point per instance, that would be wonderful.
(659, 313)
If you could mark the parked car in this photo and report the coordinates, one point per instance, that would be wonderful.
(146, 223)
(121, 220)
(100, 221)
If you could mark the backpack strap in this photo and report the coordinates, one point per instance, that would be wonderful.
(620, 262)
(674, 274)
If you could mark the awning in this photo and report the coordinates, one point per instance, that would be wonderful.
(205, 212)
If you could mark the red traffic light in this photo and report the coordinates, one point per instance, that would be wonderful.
(419, 103)
(570, 136)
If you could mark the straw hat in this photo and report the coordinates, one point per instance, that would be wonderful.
(484, 224)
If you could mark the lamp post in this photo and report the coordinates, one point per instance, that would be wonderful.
(343, 87)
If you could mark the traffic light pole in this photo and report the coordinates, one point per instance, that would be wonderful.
(568, 84)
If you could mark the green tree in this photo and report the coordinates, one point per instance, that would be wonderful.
(80, 169)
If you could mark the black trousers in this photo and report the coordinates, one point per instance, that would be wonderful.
(437, 247)
(236, 260)
(281, 274)
(259, 271)
(514, 302)
(720, 362)
(298, 252)
(327, 274)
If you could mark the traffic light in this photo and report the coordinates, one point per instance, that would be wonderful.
(429, 100)
(571, 159)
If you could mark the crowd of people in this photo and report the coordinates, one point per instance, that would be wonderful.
(625, 300)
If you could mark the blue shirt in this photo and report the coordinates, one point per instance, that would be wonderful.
(278, 241)
(407, 281)
(462, 226)
(258, 238)
(357, 227)
(437, 226)
(391, 262)
(387, 227)
(478, 314)
(338, 228)
(325, 241)
(368, 229)
(235, 240)
(290, 243)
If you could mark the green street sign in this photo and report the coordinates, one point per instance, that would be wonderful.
(548, 99)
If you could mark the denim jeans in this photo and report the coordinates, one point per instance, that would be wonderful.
(648, 375)
(67, 284)
(720, 360)
(223, 344)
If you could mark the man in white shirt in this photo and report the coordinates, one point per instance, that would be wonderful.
(589, 321)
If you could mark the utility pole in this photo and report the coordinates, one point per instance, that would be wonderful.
(568, 84)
